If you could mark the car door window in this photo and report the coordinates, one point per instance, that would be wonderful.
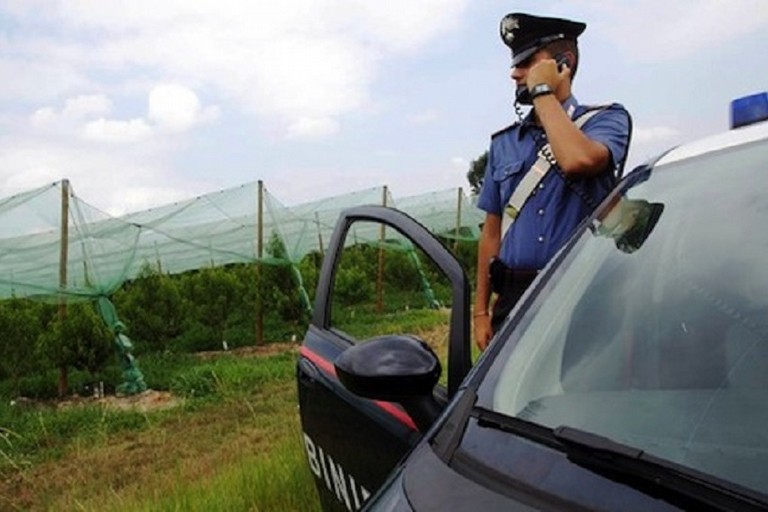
(384, 284)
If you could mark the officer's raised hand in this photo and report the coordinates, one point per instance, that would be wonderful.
(545, 71)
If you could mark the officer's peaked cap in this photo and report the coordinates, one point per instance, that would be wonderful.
(525, 34)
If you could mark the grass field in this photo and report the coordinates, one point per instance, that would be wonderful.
(220, 432)
(232, 443)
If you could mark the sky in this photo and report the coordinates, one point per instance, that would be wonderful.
(142, 103)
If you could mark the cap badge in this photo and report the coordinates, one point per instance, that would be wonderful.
(510, 24)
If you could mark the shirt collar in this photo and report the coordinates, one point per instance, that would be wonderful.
(569, 105)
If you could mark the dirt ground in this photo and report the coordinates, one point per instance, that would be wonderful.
(151, 400)
(253, 351)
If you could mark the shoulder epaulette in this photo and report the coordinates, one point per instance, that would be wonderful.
(589, 111)
(506, 128)
(604, 106)
(587, 108)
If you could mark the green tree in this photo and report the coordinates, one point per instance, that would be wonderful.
(80, 339)
(400, 270)
(151, 307)
(476, 172)
(240, 327)
(210, 295)
(355, 280)
(279, 286)
(22, 324)
(309, 268)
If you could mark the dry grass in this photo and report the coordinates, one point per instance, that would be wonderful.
(240, 450)
(178, 446)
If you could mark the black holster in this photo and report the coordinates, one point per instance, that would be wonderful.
(509, 285)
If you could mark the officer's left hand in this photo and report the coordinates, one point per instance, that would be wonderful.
(545, 72)
(483, 331)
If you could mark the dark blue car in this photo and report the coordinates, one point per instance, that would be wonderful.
(633, 375)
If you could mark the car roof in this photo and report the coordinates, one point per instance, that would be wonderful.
(731, 138)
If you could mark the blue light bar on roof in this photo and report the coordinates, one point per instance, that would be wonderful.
(749, 109)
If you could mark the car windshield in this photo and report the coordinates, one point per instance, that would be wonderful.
(653, 330)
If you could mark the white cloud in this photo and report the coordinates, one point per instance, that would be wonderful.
(176, 108)
(87, 106)
(37, 77)
(85, 70)
(313, 127)
(309, 78)
(137, 197)
(458, 162)
(653, 30)
(335, 182)
(425, 117)
(75, 109)
(44, 116)
(403, 25)
(299, 59)
(171, 109)
(33, 176)
(650, 141)
(104, 130)
(114, 180)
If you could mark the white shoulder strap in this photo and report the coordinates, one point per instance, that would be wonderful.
(534, 175)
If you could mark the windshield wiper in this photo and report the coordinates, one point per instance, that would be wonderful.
(687, 487)
(654, 474)
(527, 429)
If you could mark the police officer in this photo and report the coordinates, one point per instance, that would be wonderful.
(547, 171)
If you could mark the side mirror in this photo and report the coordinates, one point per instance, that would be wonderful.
(400, 368)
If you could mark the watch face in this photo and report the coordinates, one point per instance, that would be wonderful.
(540, 90)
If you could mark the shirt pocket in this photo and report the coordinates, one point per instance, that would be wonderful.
(506, 177)
(503, 173)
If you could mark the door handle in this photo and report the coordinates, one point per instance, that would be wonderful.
(308, 372)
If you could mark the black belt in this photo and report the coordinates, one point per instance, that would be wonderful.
(504, 279)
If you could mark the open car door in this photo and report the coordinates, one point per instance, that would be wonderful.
(382, 273)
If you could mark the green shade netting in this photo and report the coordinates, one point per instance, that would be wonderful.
(237, 225)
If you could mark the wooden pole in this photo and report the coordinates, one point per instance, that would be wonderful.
(63, 257)
(157, 257)
(458, 220)
(380, 277)
(319, 233)
(86, 277)
(259, 256)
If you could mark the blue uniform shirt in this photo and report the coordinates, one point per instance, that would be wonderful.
(550, 216)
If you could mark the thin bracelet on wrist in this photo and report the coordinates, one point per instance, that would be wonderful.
(480, 313)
